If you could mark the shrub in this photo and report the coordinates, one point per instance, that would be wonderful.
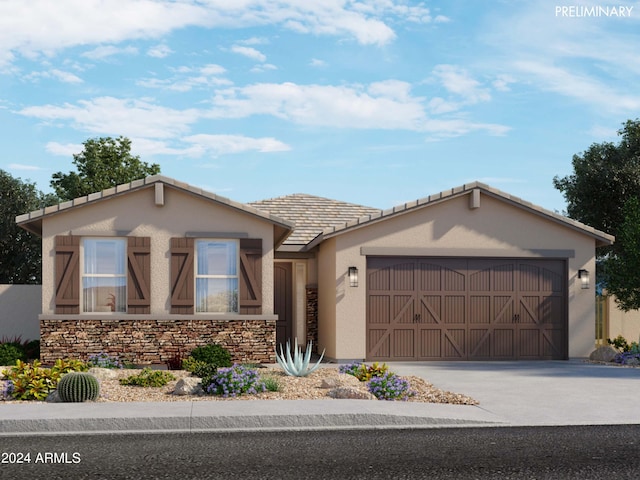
(175, 362)
(213, 353)
(233, 381)
(104, 360)
(628, 358)
(390, 387)
(364, 372)
(10, 352)
(190, 364)
(66, 365)
(205, 370)
(620, 343)
(350, 368)
(78, 387)
(32, 349)
(271, 384)
(31, 381)
(148, 378)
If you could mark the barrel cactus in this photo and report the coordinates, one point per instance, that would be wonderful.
(78, 387)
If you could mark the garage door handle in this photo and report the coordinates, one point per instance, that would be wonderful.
(417, 318)
(516, 318)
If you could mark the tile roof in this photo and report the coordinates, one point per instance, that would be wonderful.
(312, 215)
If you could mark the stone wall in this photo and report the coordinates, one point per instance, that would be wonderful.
(153, 341)
(312, 316)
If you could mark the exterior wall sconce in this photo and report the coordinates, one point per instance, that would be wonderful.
(583, 275)
(353, 276)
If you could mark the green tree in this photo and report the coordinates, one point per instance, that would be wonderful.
(622, 270)
(20, 251)
(605, 178)
(104, 163)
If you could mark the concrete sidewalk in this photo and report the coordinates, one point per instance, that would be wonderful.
(510, 394)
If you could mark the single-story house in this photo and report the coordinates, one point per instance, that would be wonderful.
(150, 269)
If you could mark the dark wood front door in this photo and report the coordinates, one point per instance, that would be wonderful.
(466, 309)
(283, 301)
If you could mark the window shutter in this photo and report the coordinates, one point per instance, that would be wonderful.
(251, 276)
(139, 275)
(182, 280)
(67, 274)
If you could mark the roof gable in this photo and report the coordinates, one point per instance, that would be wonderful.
(602, 239)
(32, 221)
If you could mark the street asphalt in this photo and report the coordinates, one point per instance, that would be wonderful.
(510, 394)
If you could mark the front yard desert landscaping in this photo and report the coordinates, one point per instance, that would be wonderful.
(317, 385)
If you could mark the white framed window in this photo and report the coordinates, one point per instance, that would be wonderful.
(217, 267)
(104, 275)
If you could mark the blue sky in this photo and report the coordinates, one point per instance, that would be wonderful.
(375, 102)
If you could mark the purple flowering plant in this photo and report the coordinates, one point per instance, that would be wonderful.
(234, 381)
(104, 360)
(390, 386)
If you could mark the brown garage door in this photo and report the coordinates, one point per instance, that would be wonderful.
(466, 309)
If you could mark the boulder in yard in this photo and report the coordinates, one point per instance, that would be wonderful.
(351, 393)
(188, 386)
(605, 353)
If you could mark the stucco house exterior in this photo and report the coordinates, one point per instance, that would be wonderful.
(151, 269)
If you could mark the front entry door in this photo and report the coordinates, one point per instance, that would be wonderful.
(283, 302)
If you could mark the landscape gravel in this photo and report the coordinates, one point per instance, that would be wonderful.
(291, 388)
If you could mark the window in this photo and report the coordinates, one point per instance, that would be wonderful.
(217, 276)
(104, 275)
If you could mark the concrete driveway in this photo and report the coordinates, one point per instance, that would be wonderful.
(540, 393)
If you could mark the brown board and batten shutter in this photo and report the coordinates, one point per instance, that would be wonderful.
(139, 275)
(251, 276)
(182, 276)
(67, 274)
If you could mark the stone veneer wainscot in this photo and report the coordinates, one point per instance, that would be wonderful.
(146, 339)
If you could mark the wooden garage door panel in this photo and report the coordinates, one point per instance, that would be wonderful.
(466, 308)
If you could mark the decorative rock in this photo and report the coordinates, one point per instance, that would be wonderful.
(103, 373)
(188, 386)
(344, 380)
(53, 397)
(350, 393)
(603, 354)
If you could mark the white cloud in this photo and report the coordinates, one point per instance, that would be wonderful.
(113, 116)
(249, 52)
(41, 27)
(263, 67)
(62, 76)
(455, 127)
(65, 77)
(317, 63)
(65, 150)
(187, 79)
(227, 144)
(106, 51)
(457, 80)
(159, 51)
(21, 166)
(502, 82)
(591, 60)
(580, 86)
(330, 106)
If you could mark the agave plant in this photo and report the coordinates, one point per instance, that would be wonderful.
(298, 366)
